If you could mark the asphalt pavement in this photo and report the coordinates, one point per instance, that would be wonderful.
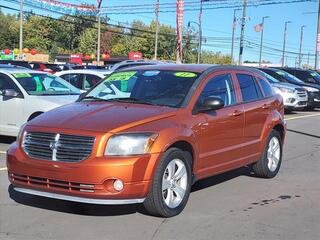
(229, 206)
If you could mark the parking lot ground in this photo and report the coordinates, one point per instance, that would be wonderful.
(233, 205)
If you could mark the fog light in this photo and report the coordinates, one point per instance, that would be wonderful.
(118, 185)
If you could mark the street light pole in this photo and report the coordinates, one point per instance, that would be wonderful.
(261, 40)
(21, 31)
(284, 42)
(243, 23)
(300, 48)
(99, 31)
(233, 32)
(157, 30)
(317, 40)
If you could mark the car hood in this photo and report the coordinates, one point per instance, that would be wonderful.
(283, 84)
(101, 116)
(311, 85)
(57, 100)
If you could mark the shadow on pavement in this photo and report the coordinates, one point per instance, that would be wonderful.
(6, 139)
(112, 210)
(215, 180)
(303, 133)
(73, 207)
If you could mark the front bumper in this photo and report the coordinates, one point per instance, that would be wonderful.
(294, 100)
(89, 181)
(79, 199)
(314, 99)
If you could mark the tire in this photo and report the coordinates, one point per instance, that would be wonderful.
(269, 164)
(167, 202)
(309, 108)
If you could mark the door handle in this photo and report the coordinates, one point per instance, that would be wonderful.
(266, 106)
(236, 113)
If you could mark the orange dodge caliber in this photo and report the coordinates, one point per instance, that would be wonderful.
(146, 134)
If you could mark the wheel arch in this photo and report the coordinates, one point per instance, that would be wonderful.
(35, 114)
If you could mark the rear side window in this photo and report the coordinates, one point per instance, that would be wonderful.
(249, 89)
(220, 86)
(73, 79)
(266, 88)
(90, 80)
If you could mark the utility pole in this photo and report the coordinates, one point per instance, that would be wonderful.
(200, 32)
(284, 42)
(21, 31)
(234, 25)
(243, 23)
(157, 30)
(317, 40)
(300, 48)
(99, 31)
(308, 60)
(261, 40)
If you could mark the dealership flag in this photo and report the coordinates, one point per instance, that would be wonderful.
(179, 29)
(258, 27)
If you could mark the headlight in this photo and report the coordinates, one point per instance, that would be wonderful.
(130, 144)
(286, 90)
(20, 134)
(311, 89)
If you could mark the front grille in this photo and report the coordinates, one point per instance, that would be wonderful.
(302, 103)
(57, 147)
(301, 92)
(51, 183)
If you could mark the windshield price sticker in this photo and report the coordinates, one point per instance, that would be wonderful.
(185, 74)
(21, 75)
(121, 76)
(39, 87)
(280, 73)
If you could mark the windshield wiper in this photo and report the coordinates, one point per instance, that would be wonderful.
(134, 100)
(93, 98)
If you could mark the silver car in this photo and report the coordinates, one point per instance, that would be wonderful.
(294, 97)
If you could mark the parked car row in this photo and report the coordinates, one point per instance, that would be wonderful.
(36, 92)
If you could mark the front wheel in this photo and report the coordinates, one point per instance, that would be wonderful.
(269, 164)
(171, 185)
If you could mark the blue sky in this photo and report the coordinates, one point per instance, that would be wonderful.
(218, 22)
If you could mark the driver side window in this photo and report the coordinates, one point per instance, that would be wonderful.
(7, 83)
(220, 86)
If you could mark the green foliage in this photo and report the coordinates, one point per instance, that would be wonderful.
(79, 34)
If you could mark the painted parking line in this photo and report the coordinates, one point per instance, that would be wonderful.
(3, 152)
(3, 169)
(304, 116)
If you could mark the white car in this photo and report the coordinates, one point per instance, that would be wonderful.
(294, 97)
(83, 79)
(25, 94)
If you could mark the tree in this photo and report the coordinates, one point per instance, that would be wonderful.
(88, 41)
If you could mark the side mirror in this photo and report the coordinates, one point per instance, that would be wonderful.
(211, 103)
(11, 93)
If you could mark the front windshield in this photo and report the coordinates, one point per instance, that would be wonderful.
(44, 84)
(290, 78)
(270, 78)
(165, 88)
(316, 76)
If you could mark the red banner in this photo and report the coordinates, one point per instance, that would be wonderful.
(179, 29)
(76, 58)
(135, 55)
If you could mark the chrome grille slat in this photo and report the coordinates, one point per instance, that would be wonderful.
(57, 147)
